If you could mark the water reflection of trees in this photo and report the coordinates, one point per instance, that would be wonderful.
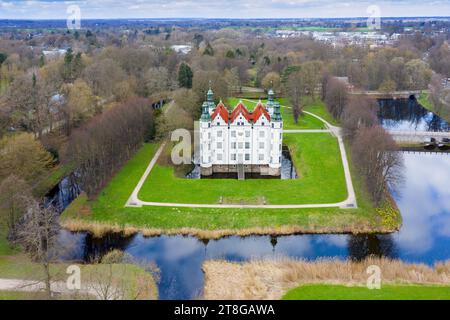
(95, 248)
(395, 111)
(363, 246)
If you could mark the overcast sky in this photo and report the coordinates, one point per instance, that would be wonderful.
(44, 9)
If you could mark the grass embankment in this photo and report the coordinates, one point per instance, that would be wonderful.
(426, 103)
(388, 292)
(131, 279)
(51, 180)
(323, 279)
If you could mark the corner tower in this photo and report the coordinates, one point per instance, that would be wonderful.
(276, 125)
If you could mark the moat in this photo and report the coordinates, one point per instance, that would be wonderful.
(423, 199)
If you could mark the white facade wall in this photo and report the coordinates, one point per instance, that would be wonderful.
(241, 142)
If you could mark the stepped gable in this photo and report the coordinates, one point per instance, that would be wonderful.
(240, 109)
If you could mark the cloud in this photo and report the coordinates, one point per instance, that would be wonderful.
(19, 9)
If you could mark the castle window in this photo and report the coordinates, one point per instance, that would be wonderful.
(233, 134)
(247, 145)
(240, 145)
(219, 145)
(262, 123)
(233, 145)
(247, 134)
(219, 157)
(233, 156)
(261, 157)
(261, 145)
(273, 125)
(261, 134)
(219, 134)
(247, 157)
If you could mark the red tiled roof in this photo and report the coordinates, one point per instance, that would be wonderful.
(222, 111)
(240, 109)
(259, 111)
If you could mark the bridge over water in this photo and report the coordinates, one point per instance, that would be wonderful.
(405, 94)
(418, 136)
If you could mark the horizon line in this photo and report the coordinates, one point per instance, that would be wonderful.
(221, 18)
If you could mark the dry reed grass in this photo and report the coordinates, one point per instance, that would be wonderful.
(99, 229)
(271, 279)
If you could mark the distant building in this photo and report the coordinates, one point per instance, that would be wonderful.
(346, 81)
(241, 139)
(183, 49)
(53, 54)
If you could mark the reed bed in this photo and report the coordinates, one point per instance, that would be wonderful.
(99, 229)
(271, 279)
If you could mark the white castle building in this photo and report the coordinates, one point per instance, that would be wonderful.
(241, 140)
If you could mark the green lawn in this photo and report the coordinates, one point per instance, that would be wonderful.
(317, 160)
(425, 102)
(387, 292)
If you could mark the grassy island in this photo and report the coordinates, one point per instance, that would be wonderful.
(321, 181)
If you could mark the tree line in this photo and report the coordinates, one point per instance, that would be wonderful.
(373, 150)
(102, 146)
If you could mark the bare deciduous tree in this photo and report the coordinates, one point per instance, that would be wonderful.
(359, 112)
(295, 91)
(118, 276)
(38, 234)
(336, 97)
(102, 146)
(375, 156)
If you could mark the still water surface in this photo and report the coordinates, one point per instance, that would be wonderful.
(423, 198)
(408, 115)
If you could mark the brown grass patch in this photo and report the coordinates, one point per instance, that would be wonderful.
(271, 279)
(99, 229)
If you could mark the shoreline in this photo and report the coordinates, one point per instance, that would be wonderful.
(100, 229)
(271, 279)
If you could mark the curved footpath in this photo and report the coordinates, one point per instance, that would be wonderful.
(350, 202)
(93, 290)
